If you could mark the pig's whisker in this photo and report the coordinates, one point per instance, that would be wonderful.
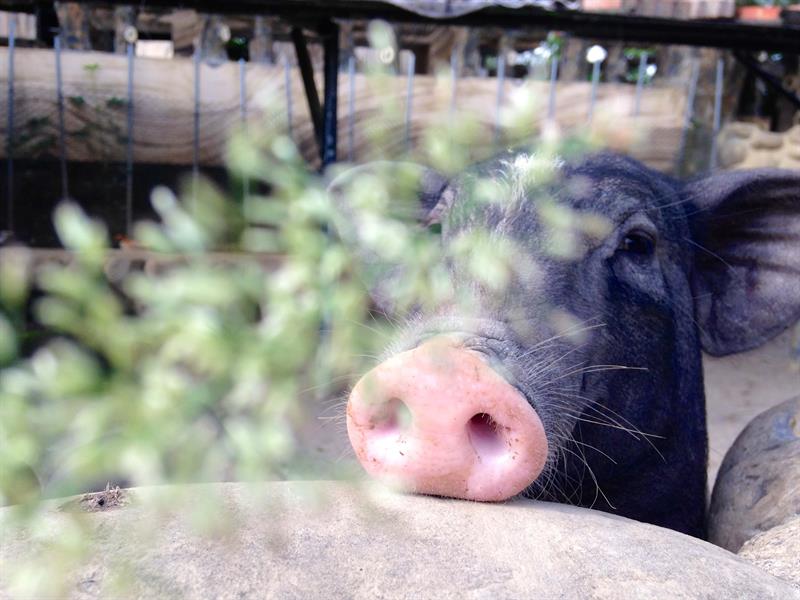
(632, 432)
(600, 420)
(383, 334)
(606, 420)
(599, 492)
(596, 369)
(551, 486)
(569, 496)
(569, 332)
(612, 425)
(332, 418)
(714, 254)
(331, 381)
(612, 422)
(577, 484)
(546, 368)
(596, 406)
(392, 320)
(346, 451)
(336, 403)
(572, 439)
(370, 356)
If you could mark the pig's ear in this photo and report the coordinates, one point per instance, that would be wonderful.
(746, 240)
(412, 192)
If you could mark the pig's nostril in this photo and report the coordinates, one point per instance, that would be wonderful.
(392, 418)
(485, 436)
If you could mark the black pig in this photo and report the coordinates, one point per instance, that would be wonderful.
(498, 399)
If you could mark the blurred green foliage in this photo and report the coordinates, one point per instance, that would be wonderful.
(198, 366)
(193, 372)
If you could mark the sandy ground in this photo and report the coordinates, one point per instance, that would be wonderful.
(738, 387)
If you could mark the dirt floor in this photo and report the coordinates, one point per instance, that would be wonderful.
(738, 387)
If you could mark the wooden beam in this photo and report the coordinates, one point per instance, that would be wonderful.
(25, 25)
(95, 105)
(719, 33)
(119, 262)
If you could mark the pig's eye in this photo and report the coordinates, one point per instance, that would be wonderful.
(639, 243)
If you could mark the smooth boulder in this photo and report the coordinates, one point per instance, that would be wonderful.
(758, 485)
(338, 540)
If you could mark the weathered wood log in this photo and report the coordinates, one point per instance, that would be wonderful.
(25, 25)
(120, 261)
(163, 103)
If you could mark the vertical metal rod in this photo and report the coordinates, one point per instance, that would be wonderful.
(196, 130)
(287, 77)
(595, 82)
(129, 149)
(351, 108)
(717, 110)
(454, 77)
(637, 103)
(330, 112)
(551, 101)
(687, 120)
(501, 85)
(61, 129)
(10, 125)
(412, 67)
(243, 91)
(243, 111)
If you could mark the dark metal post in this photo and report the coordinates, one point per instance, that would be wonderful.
(351, 108)
(718, 84)
(307, 73)
(10, 126)
(689, 115)
(593, 95)
(287, 79)
(637, 104)
(412, 65)
(501, 84)
(551, 101)
(453, 81)
(129, 152)
(768, 78)
(330, 40)
(61, 127)
(243, 111)
(196, 127)
(243, 91)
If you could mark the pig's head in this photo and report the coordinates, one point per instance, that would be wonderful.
(578, 377)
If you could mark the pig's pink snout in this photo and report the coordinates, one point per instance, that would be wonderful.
(438, 420)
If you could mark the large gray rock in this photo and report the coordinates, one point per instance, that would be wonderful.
(758, 485)
(336, 540)
(777, 551)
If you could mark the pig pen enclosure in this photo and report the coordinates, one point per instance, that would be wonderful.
(117, 99)
(181, 146)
